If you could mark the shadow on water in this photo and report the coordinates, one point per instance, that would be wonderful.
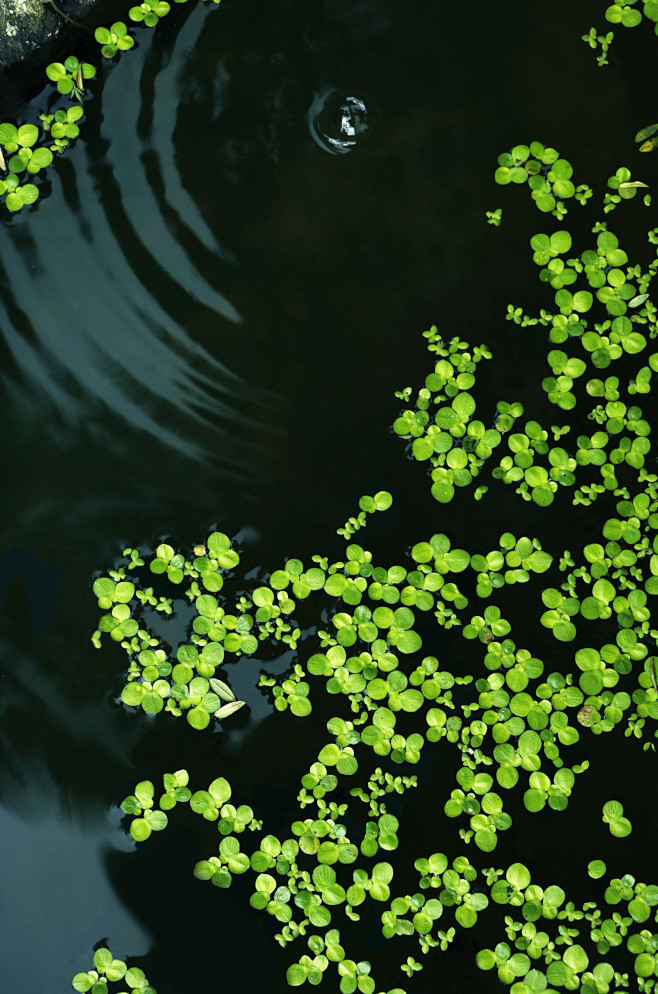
(202, 324)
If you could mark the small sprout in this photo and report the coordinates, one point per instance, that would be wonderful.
(411, 966)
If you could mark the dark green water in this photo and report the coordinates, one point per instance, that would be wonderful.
(203, 322)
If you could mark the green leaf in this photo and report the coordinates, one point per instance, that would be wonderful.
(486, 959)
(422, 448)
(596, 869)
(27, 135)
(296, 975)
(83, 982)
(229, 709)
(519, 876)
(116, 970)
(612, 810)
(136, 978)
(222, 689)
(199, 718)
(621, 828)
(9, 136)
(486, 840)
(644, 133)
(55, 71)
(576, 958)
(102, 959)
(133, 694)
(347, 765)
(465, 916)
(140, 829)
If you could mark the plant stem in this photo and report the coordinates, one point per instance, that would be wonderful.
(66, 17)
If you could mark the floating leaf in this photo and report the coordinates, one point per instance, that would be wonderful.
(229, 709)
(648, 132)
(613, 816)
(222, 690)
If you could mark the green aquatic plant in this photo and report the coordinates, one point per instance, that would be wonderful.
(107, 973)
(377, 691)
(448, 438)
(548, 176)
(647, 136)
(624, 189)
(114, 39)
(513, 721)
(62, 126)
(69, 76)
(17, 195)
(626, 14)
(305, 897)
(149, 12)
(613, 816)
(594, 40)
(367, 505)
(30, 148)
(19, 143)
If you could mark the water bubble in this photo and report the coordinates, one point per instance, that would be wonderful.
(338, 121)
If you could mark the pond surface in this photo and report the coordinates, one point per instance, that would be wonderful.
(203, 321)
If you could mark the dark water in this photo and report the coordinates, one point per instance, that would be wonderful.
(203, 323)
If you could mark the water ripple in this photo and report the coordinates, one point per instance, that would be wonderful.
(116, 301)
(338, 121)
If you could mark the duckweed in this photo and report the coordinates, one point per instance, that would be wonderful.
(514, 720)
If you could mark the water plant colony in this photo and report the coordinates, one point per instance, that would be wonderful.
(513, 721)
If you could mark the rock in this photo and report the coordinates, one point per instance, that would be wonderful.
(34, 34)
(25, 25)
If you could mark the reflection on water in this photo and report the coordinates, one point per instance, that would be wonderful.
(338, 122)
(58, 899)
(103, 300)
